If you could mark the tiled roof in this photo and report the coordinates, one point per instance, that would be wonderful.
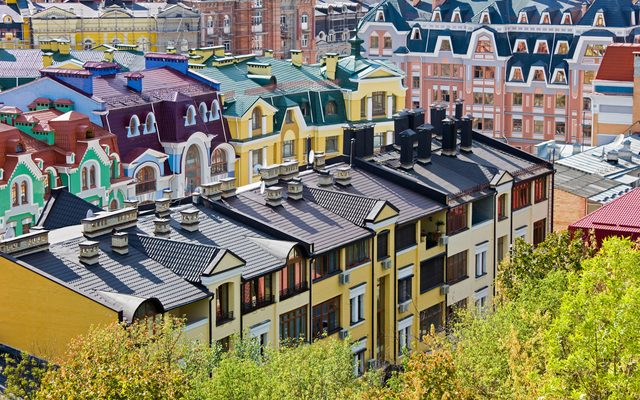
(617, 63)
(621, 215)
(64, 209)
(590, 186)
(357, 209)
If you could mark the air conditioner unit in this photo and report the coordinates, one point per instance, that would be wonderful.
(343, 334)
(444, 240)
(444, 289)
(403, 308)
(386, 263)
(344, 278)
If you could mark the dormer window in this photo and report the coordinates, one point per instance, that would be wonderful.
(150, 124)
(415, 34)
(331, 108)
(599, 19)
(559, 77)
(545, 19)
(134, 126)
(521, 46)
(566, 19)
(445, 44)
(523, 18)
(484, 18)
(202, 108)
(437, 17)
(541, 47)
(562, 47)
(484, 45)
(190, 117)
(456, 17)
(516, 74)
(20, 147)
(538, 75)
(379, 16)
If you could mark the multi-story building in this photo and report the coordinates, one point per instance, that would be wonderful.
(149, 26)
(14, 29)
(251, 26)
(525, 71)
(282, 109)
(335, 22)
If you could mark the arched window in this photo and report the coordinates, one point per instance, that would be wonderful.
(14, 195)
(92, 177)
(190, 118)
(215, 111)
(134, 126)
(145, 180)
(113, 205)
(150, 124)
(84, 179)
(456, 16)
(226, 24)
(24, 193)
(415, 34)
(599, 20)
(331, 108)
(87, 44)
(20, 147)
(192, 169)
(219, 162)
(203, 112)
(46, 182)
(256, 118)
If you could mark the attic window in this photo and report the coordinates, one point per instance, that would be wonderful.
(522, 18)
(559, 76)
(599, 20)
(521, 46)
(516, 74)
(484, 46)
(134, 126)
(538, 75)
(562, 47)
(541, 47)
(379, 16)
(437, 17)
(20, 147)
(484, 18)
(331, 108)
(566, 19)
(304, 108)
(415, 34)
(445, 44)
(456, 17)
(546, 18)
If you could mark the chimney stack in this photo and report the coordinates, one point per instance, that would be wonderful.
(612, 156)
(437, 113)
(270, 174)
(448, 138)
(331, 62)
(294, 189)
(466, 134)
(319, 160)
(296, 58)
(162, 207)
(190, 221)
(416, 118)
(131, 203)
(161, 227)
(134, 81)
(120, 243)
(228, 187)
(400, 124)
(406, 149)
(212, 190)
(458, 111)
(625, 152)
(424, 133)
(89, 252)
(343, 175)
(289, 170)
(273, 196)
(325, 178)
(167, 193)
(363, 145)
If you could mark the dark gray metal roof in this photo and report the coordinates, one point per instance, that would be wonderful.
(354, 208)
(134, 274)
(64, 209)
(410, 204)
(590, 186)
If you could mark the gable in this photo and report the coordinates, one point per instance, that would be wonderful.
(501, 179)
(53, 12)
(227, 262)
(380, 73)
(385, 213)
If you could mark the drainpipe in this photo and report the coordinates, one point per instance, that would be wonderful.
(210, 320)
(373, 292)
(495, 226)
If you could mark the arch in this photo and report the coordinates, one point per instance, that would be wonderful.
(134, 126)
(256, 118)
(202, 108)
(84, 179)
(150, 124)
(15, 190)
(24, 192)
(331, 108)
(87, 44)
(20, 147)
(215, 110)
(92, 177)
(190, 116)
(192, 169)
(113, 204)
(209, 21)
(7, 19)
(115, 165)
(145, 179)
(219, 161)
(49, 181)
(226, 21)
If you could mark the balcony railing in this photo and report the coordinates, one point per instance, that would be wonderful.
(223, 317)
(293, 290)
(258, 302)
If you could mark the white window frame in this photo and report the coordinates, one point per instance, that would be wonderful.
(404, 333)
(415, 33)
(558, 47)
(356, 303)
(556, 73)
(566, 16)
(523, 18)
(513, 72)
(481, 258)
(539, 42)
(520, 232)
(456, 15)
(480, 297)
(518, 41)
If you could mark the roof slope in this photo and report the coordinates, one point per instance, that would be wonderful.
(357, 209)
(621, 215)
(617, 63)
(64, 209)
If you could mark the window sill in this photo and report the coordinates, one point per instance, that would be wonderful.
(540, 200)
(356, 266)
(458, 231)
(457, 280)
(522, 208)
(430, 288)
(387, 257)
(481, 275)
(327, 276)
(406, 249)
(356, 324)
(502, 218)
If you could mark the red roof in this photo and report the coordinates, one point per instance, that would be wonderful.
(617, 63)
(42, 100)
(621, 215)
(63, 101)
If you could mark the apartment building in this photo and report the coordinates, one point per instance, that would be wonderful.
(251, 26)
(525, 70)
(334, 23)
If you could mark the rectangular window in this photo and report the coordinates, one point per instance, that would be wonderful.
(586, 104)
(378, 140)
(457, 219)
(446, 70)
(517, 98)
(293, 277)
(517, 125)
(540, 189)
(363, 107)
(560, 129)
(481, 261)
(256, 158)
(457, 267)
(538, 100)
(488, 98)
(293, 325)
(431, 273)
(561, 101)
(478, 98)
(446, 96)
(288, 117)
(326, 317)
(387, 42)
(415, 82)
(502, 206)
(357, 253)
(288, 148)
(378, 103)
(521, 195)
(404, 339)
(589, 76)
(432, 316)
(383, 245)
(405, 236)
(374, 43)
(257, 293)
(223, 312)
(326, 264)
(358, 363)
(538, 127)
(539, 231)
(404, 289)
(478, 72)
(488, 124)
(331, 144)
(356, 302)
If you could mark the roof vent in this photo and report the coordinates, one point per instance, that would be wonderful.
(190, 221)
(228, 187)
(131, 203)
(325, 178)
(89, 252)
(343, 176)
(406, 149)
(161, 227)
(625, 152)
(612, 156)
(120, 243)
(167, 193)
(273, 195)
(294, 189)
(289, 170)
(212, 190)
(270, 174)
(319, 160)
(162, 207)
(104, 222)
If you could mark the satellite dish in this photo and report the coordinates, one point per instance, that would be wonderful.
(262, 187)
(312, 156)
(257, 168)
(9, 233)
(89, 213)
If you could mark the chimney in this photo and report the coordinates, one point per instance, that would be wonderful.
(268, 53)
(120, 243)
(319, 160)
(134, 81)
(47, 60)
(89, 252)
(343, 175)
(400, 124)
(296, 58)
(448, 138)
(289, 170)
(270, 174)
(458, 110)
(294, 189)
(161, 227)
(171, 50)
(190, 221)
(406, 149)
(162, 207)
(424, 133)
(625, 152)
(437, 114)
(273, 196)
(105, 222)
(416, 118)
(177, 62)
(80, 79)
(108, 55)
(612, 156)
(64, 47)
(212, 190)
(34, 241)
(131, 203)
(256, 68)
(325, 178)
(362, 134)
(167, 193)
(466, 134)
(331, 62)
(228, 187)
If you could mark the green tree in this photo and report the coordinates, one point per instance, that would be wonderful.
(23, 374)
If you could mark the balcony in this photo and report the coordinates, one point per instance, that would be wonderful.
(294, 290)
(257, 302)
(223, 317)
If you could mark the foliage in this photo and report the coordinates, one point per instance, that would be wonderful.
(24, 374)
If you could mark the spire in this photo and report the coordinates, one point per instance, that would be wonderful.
(356, 44)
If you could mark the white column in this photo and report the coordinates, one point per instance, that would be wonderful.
(389, 106)
(250, 165)
(250, 127)
(369, 108)
(264, 124)
(264, 156)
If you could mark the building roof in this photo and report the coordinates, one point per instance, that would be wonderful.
(620, 215)
(354, 208)
(617, 63)
(593, 187)
(64, 209)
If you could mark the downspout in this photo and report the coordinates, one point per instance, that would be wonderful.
(312, 264)
(495, 227)
(373, 292)
(210, 320)
(394, 297)
(553, 178)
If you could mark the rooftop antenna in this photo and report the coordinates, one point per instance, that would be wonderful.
(353, 140)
